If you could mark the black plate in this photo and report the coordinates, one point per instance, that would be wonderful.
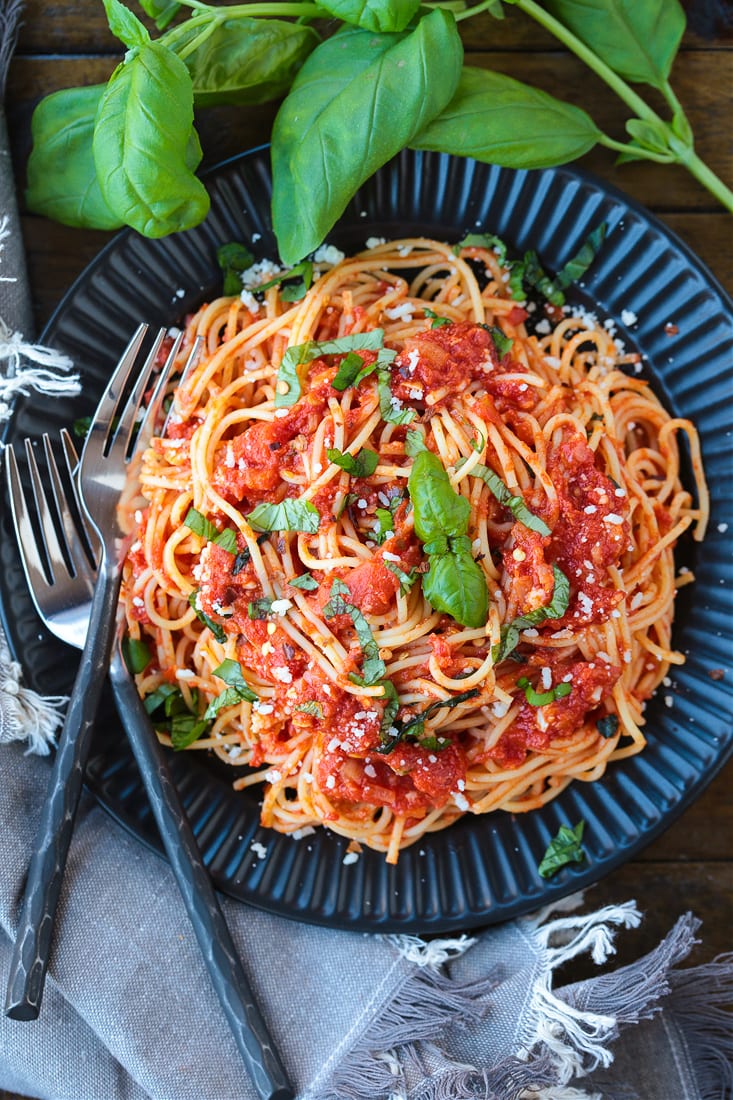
(482, 869)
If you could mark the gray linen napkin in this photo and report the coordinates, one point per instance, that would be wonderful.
(129, 1012)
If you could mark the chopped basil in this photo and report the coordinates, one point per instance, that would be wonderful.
(288, 515)
(406, 579)
(361, 465)
(502, 342)
(238, 689)
(415, 442)
(351, 371)
(349, 499)
(478, 444)
(415, 725)
(437, 320)
(389, 405)
(302, 354)
(169, 712)
(554, 610)
(294, 284)
(565, 848)
(387, 727)
(81, 427)
(202, 526)
(503, 494)
(305, 581)
(575, 268)
(233, 259)
(244, 557)
(529, 272)
(374, 667)
(541, 699)
(312, 707)
(608, 725)
(482, 240)
(385, 525)
(136, 654)
(259, 609)
(216, 629)
(168, 696)
(185, 729)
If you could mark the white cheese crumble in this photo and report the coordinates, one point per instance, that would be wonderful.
(546, 675)
(461, 801)
(279, 607)
(283, 674)
(401, 312)
(259, 273)
(331, 782)
(259, 849)
(374, 242)
(389, 556)
(350, 857)
(328, 254)
(612, 517)
(628, 317)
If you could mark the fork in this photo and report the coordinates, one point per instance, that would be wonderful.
(64, 607)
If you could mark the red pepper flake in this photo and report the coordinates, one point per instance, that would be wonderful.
(670, 329)
(716, 673)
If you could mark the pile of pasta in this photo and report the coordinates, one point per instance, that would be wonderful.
(399, 560)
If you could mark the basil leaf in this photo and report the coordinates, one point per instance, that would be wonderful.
(302, 276)
(312, 707)
(288, 515)
(185, 729)
(302, 354)
(62, 178)
(233, 259)
(528, 272)
(162, 11)
(374, 667)
(575, 269)
(361, 465)
(502, 342)
(243, 558)
(144, 167)
(608, 725)
(241, 60)
(136, 654)
(351, 371)
(231, 673)
(406, 579)
(541, 699)
(415, 725)
(259, 609)
(125, 25)
(373, 15)
(483, 240)
(438, 321)
(305, 581)
(455, 584)
(554, 610)
(158, 698)
(357, 101)
(390, 406)
(216, 629)
(202, 526)
(439, 510)
(637, 40)
(385, 525)
(227, 698)
(565, 848)
(498, 120)
(389, 713)
(415, 442)
(503, 494)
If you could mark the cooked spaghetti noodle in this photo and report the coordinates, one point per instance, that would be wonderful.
(352, 700)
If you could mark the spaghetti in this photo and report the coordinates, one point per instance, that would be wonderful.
(400, 558)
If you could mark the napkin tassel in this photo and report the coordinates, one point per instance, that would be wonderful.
(25, 715)
(700, 1007)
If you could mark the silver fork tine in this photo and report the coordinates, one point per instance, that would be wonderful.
(71, 539)
(31, 559)
(102, 428)
(51, 545)
(71, 459)
(147, 424)
(128, 415)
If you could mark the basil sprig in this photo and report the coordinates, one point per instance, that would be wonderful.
(504, 495)
(454, 583)
(237, 691)
(200, 525)
(288, 515)
(553, 610)
(362, 464)
(374, 667)
(566, 847)
(299, 355)
(437, 320)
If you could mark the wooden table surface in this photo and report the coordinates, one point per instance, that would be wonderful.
(67, 42)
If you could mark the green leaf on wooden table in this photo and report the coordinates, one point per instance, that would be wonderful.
(143, 140)
(638, 39)
(357, 101)
(62, 178)
(499, 120)
(373, 15)
(243, 61)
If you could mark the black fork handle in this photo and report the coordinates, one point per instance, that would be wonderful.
(214, 938)
(29, 963)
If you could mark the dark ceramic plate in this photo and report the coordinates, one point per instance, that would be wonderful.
(483, 869)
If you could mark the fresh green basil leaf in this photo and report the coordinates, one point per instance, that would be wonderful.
(455, 584)
(288, 515)
(162, 11)
(259, 609)
(542, 698)
(374, 667)
(373, 15)
(125, 25)
(351, 371)
(357, 101)
(299, 355)
(312, 707)
(62, 178)
(230, 697)
(496, 119)
(389, 714)
(483, 240)
(502, 342)
(478, 445)
(242, 61)
(391, 408)
(142, 166)
(406, 579)
(185, 729)
(361, 465)
(158, 698)
(437, 320)
(216, 628)
(554, 610)
(233, 258)
(650, 134)
(575, 268)
(203, 527)
(243, 558)
(305, 581)
(607, 726)
(638, 39)
(415, 442)
(294, 283)
(385, 525)
(566, 847)
(439, 510)
(528, 272)
(136, 654)
(231, 673)
(504, 495)
(414, 726)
